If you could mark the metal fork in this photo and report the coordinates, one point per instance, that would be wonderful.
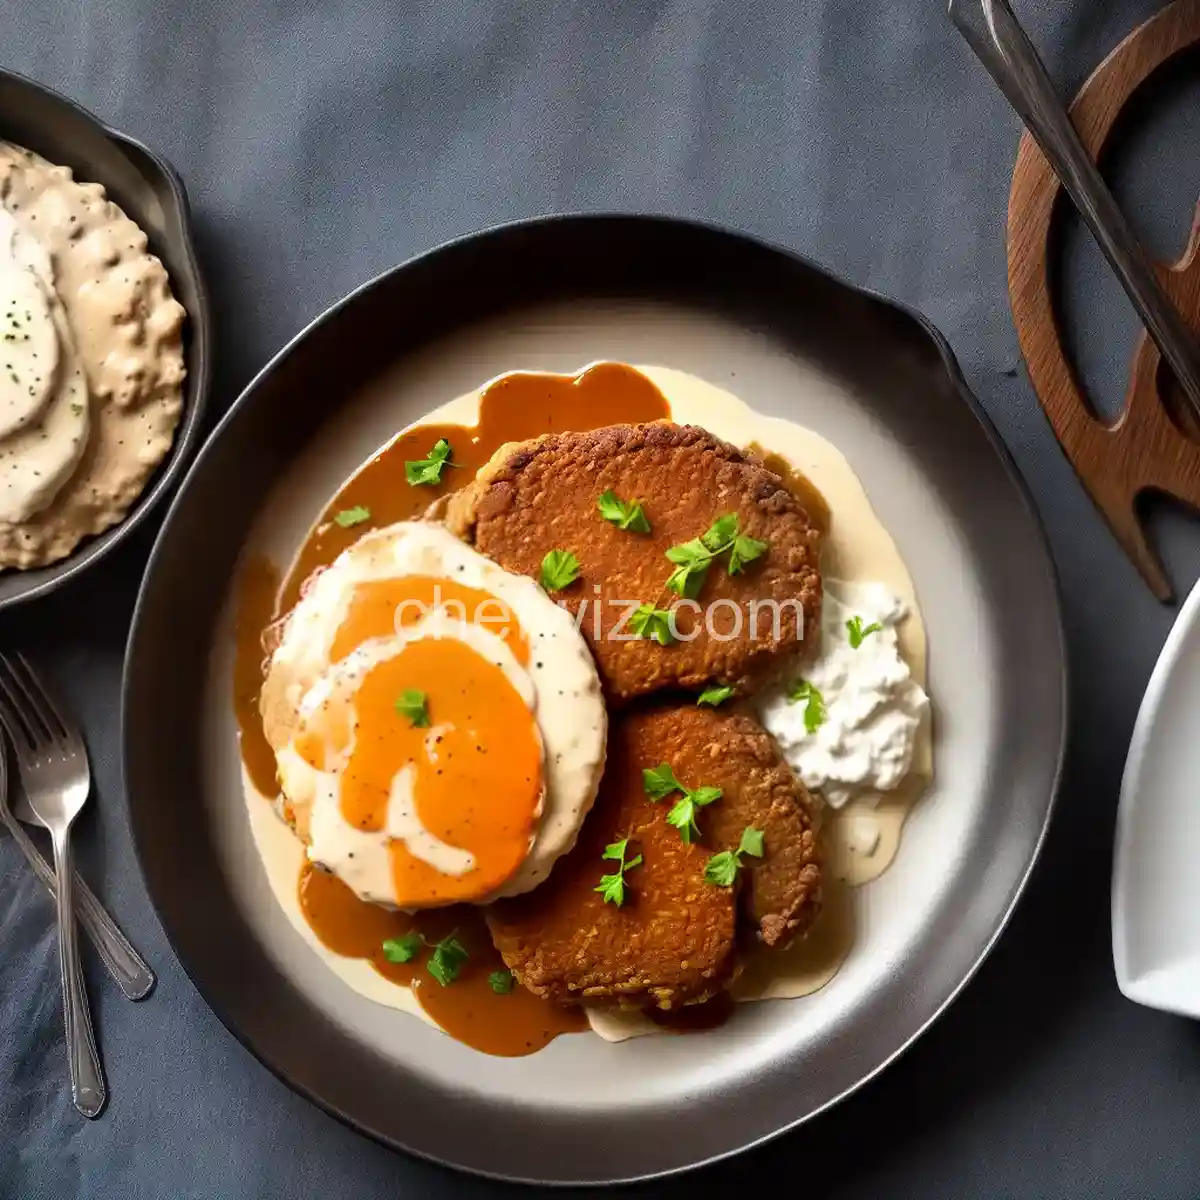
(124, 963)
(54, 770)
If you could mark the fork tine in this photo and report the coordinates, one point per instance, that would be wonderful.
(38, 688)
(34, 708)
(24, 736)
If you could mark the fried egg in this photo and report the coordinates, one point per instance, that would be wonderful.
(437, 722)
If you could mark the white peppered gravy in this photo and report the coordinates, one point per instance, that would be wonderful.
(91, 355)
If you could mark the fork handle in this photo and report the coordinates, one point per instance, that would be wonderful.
(87, 1080)
(124, 963)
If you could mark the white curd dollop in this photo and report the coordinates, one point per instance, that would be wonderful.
(847, 720)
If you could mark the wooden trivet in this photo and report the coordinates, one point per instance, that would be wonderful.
(1155, 443)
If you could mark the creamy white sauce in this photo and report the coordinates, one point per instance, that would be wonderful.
(30, 345)
(43, 395)
(860, 840)
(847, 719)
(108, 377)
(282, 855)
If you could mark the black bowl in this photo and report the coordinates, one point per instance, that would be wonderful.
(152, 194)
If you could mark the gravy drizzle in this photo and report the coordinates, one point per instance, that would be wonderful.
(514, 408)
(467, 1009)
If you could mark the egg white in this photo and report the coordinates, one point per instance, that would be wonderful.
(560, 686)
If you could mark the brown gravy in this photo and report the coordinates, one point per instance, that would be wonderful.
(507, 1025)
(258, 590)
(514, 408)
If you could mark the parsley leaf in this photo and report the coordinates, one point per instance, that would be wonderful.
(720, 533)
(414, 705)
(722, 869)
(447, 960)
(560, 568)
(501, 982)
(715, 694)
(612, 887)
(752, 842)
(683, 814)
(653, 623)
(858, 633)
(624, 514)
(660, 781)
(402, 950)
(429, 470)
(814, 704)
(745, 549)
(692, 559)
(352, 516)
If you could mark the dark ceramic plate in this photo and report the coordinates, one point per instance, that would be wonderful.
(789, 340)
(150, 192)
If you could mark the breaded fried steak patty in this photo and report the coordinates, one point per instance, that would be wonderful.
(750, 584)
(672, 941)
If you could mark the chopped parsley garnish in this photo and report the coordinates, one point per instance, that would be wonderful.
(683, 814)
(447, 960)
(659, 782)
(428, 471)
(612, 887)
(414, 705)
(801, 691)
(722, 869)
(352, 516)
(653, 623)
(854, 627)
(560, 568)
(404, 949)
(624, 514)
(692, 559)
(501, 982)
(445, 963)
(715, 694)
(745, 549)
(752, 842)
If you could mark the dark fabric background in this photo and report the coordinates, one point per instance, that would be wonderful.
(324, 141)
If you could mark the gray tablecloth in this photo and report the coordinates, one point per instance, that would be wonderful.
(324, 141)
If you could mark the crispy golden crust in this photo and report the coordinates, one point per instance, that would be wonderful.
(673, 942)
(538, 496)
